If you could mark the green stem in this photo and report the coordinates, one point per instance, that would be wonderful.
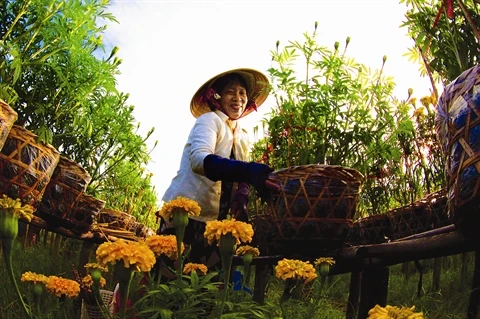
(247, 260)
(246, 268)
(125, 276)
(37, 293)
(227, 250)
(7, 245)
(159, 271)
(180, 221)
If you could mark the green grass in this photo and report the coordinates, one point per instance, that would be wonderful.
(450, 301)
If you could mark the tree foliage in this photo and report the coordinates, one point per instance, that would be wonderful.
(332, 110)
(55, 73)
(445, 35)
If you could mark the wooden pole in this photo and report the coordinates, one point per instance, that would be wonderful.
(261, 275)
(354, 295)
(374, 290)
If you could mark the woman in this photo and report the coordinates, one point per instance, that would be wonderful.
(214, 168)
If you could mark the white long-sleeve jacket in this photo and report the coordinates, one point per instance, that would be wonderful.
(210, 134)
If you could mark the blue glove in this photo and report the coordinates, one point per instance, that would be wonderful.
(217, 168)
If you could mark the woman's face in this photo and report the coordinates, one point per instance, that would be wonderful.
(234, 99)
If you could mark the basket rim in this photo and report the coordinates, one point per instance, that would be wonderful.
(319, 170)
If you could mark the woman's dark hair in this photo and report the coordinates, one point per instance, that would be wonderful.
(230, 78)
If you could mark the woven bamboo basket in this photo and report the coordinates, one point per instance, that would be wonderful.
(140, 230)
(439, 208)
(374, 229)
(457, 125)
(315, 203)
(411, 219)
(117, 219)
(95, 312)
(26, 166)
(8, 117)
(68, 182)
(84, 211)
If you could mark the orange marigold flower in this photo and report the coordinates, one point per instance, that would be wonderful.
(295, 269)
(33, 277)
(87, 282)
(62, 287)
(197, 267)
(164, 245)
(243, 250)
(215, 229)
(133, 254)
(183, 203)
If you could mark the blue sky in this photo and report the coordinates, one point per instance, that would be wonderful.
(170, 48)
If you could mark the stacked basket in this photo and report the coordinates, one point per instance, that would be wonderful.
(26, 165)
(64, 203)
(314, 208)
(38, 175)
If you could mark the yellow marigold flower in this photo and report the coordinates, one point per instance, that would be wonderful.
(15, 207)
(164, 245)
(197, 267)
(96, 266)
(393, 312)
(62, 287)
(295, 269)
(324, 260)
(87, 282)
(133, 254)
(188, 205)
(33, 277)
(243, 250)
(425, 100)
(215, 229)
(420, 112)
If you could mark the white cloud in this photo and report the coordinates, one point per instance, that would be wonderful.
(170, 48)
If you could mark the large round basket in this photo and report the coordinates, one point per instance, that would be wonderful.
(457, 125)
(26, 166)
(7, 118)
(68, 182)
(315, 205)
